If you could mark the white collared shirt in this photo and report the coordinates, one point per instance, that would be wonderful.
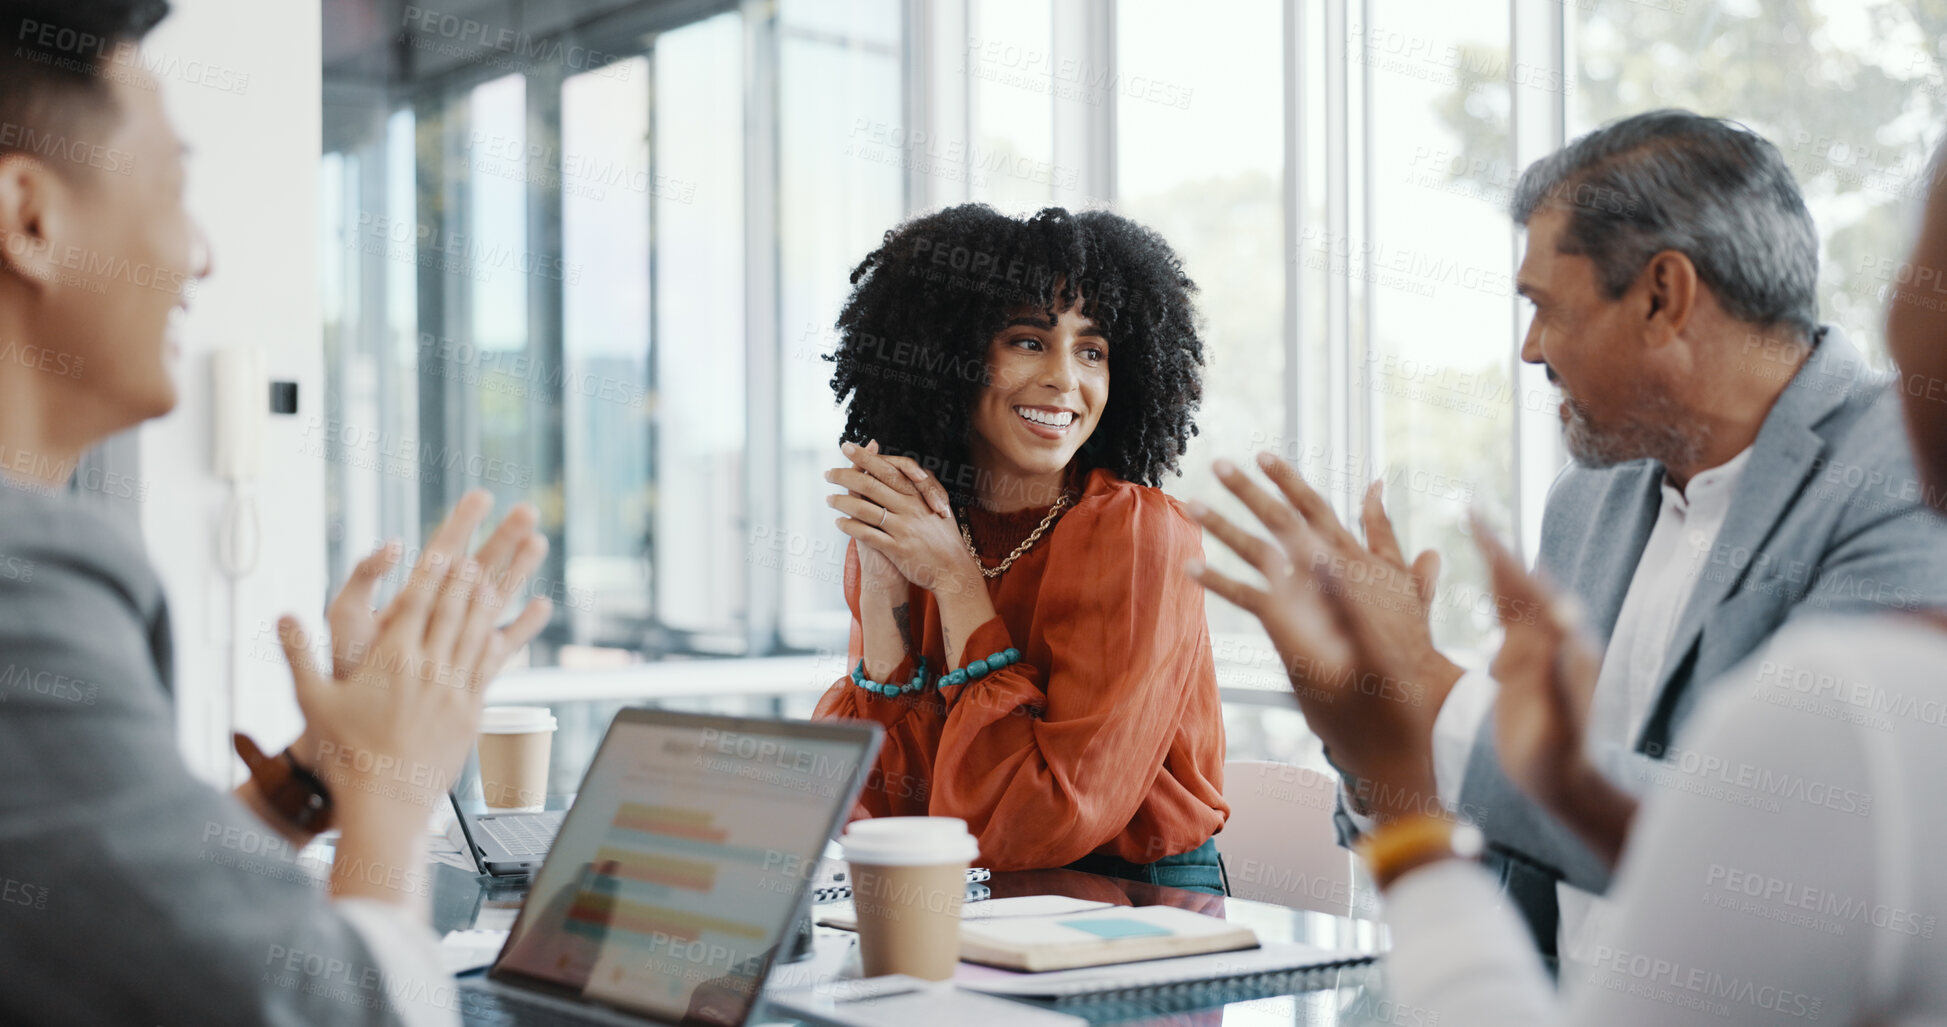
(1679, 548)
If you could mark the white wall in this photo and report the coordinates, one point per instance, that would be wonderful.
(242, 80)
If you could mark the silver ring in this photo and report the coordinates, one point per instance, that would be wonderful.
(883, 513)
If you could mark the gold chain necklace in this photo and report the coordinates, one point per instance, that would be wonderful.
(1061, 503)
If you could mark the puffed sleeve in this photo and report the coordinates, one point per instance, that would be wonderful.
(899, 784)
(1049, 758)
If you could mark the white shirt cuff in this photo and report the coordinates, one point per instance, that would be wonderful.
(1459, 954)
(1456, 727)
(419, 989)
(1365, 824)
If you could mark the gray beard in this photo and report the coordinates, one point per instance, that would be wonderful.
(1656, 430)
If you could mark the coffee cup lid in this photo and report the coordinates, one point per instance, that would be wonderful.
(515, 720)
(909, 841)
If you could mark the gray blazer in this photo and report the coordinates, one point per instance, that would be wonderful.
(1826, 518)
(130, 891)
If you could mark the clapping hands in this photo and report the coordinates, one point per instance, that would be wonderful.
(407, 681)
(900, 516)
(1349, 620)
(1351, 623)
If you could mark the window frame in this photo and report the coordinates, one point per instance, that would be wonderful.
(936, 98)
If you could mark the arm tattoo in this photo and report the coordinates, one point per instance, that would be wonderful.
(903, 619)
(946, 639)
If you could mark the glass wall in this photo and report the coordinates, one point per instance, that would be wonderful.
(1432, 267)
(840, 186)
(1200, 158)
(1852, 91)
(700, 335)
(608, 184)
(1010, 78)
(597, 268)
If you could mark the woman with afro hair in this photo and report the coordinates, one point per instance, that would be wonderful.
(1022, 626)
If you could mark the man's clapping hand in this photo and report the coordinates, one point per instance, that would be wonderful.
(1349, 620)
(407, 682)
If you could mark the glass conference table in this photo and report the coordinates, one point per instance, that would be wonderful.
(1352, 995)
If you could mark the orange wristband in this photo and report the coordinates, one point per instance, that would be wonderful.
(1407, 843)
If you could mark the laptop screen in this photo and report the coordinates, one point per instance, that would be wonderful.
(680, 867)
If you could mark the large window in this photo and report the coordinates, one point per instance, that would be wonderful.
(608, 185)
(701, 336)
(591, 257)
(1200, 157)
(1010, 79)
(1431, 267)
(1851, 90)
(840, 186)
(540, 284)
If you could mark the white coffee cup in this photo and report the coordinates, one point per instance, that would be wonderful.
(515, 743)
(909, 876)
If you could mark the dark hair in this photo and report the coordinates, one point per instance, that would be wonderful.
(52, 53)
(912, 338)
(1708, 188)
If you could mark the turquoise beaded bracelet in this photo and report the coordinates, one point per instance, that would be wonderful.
(980, 668)
(918, 682)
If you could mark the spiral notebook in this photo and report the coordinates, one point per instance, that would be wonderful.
(1214, 977)
(1098, 937)
(837, 889)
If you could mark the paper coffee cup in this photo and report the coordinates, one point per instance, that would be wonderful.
(514, 748)
(909, 875)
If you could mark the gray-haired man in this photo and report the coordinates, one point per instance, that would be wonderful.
(1735, 465)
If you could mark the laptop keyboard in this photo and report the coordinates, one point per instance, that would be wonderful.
(528, 834)
(505, 1008)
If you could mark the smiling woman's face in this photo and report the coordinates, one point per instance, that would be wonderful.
(1048, 385)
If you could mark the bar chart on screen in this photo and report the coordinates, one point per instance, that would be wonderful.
(681, 866)
(656, 875)
(687, 885)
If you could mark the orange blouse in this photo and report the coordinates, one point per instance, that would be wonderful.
(1107, 736)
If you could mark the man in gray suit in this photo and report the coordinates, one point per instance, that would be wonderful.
(1735, 465)
(131, 892)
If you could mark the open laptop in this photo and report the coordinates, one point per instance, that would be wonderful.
(505, 844)
(679, 872)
